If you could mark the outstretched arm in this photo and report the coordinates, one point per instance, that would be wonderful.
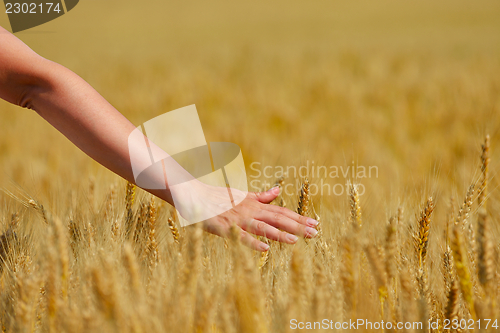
(67, 102)
(73, 107)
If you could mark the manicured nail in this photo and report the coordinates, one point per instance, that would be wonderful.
(312, 223)
(264, 246)
(311, 232)
(275, 190)
(292, 238)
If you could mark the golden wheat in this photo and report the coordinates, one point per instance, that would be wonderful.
(355, 206)
(96, 259)
(303, 205)
(486, 251)
(421, 237)
(173, 229)
(485, 162)
(462, 269)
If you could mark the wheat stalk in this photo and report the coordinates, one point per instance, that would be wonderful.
(303, 205)
(299, 287)
(130, 192)
(280, 182)
(348, 272)
(173, 229)
(105, 292)
(39, 208)
(264, 258)
(379, 274)
(130, 264)
(355, 206)
(486, 251)
(421, 237)
(391, 248)
(463, 213)
(152, 251)
(62, 244)
(110, 202)
(448, 273)
(462, 269)
(140, 224)
(452, 301)
(248, 298)
(485, 162)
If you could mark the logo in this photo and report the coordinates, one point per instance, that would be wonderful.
(28, 14)
(204, 180)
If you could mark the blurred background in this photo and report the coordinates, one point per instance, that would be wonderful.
(409, 87)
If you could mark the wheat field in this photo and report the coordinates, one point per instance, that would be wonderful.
(411, 89)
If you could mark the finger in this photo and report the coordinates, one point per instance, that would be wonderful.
(244, 237)
(307, 221)
(267, 196)
(285, 223)
(261, 228)
(252, 242)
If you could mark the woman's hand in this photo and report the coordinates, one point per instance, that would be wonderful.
(252, 215)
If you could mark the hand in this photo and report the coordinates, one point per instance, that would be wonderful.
(252, 215)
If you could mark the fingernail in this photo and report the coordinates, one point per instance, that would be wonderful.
(275, 189)
(292, 238)
(312, 223)
(264, 246)
(311, 232)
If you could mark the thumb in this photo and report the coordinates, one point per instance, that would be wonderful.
(268, 196)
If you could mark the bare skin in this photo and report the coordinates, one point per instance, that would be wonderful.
(81, 114)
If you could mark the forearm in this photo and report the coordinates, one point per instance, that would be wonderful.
(74, 108)
(80, 113)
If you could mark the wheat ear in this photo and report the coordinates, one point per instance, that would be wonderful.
(130, 191)
(421, 237)
(485, 162)
(39, 208)
(152, 250)
(174, 230)
(303, 206)
(379, 273)
(280, 182)
(463, 213)
(264, 258)
(451, 311)
(355, 206)
(486, 250)
(463, 273)
(391, 248)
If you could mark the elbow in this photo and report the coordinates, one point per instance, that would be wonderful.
(22, 92)
(26, 87)
(31, 92)
(27, 97)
